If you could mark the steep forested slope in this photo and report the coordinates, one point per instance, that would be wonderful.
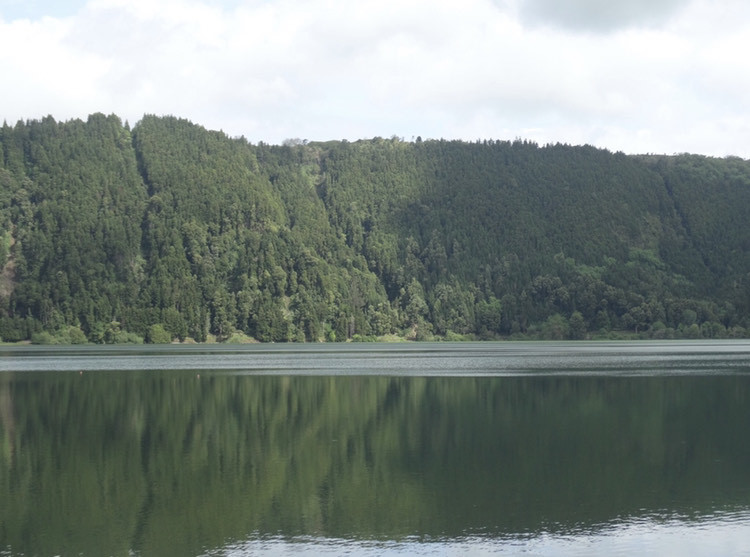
(169, 230)
(72, 202)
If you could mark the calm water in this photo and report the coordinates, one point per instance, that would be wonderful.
(433, 449)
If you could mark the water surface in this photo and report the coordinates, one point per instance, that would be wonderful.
(486, 448)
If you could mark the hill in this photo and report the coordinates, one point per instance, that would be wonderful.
(168, 230)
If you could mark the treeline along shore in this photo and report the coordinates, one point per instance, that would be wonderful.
(165, 231)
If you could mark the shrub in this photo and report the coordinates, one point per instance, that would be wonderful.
(157, 334)
(77, 336)
(44, 337)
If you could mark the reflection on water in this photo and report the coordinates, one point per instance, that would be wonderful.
(223, 460)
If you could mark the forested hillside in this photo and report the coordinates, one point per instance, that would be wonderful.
(170, 231)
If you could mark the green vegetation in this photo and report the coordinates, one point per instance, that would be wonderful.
(172, 232)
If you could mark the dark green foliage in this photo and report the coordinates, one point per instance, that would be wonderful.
(174, 228)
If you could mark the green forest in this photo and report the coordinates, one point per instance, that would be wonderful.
(166, 231)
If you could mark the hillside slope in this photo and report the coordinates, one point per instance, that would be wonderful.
(169, 230)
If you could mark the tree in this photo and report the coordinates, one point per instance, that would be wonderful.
(169, 223)
(556, 327)
(577, 326)
(157, 334)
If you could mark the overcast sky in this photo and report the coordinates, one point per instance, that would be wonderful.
(641, 76)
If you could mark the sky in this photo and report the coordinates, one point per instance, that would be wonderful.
(639, 76)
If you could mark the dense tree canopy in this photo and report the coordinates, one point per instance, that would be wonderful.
(169, 230)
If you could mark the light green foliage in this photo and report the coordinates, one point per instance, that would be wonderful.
(577, 326)
(240, 338)
(556, 327)
(157, 334)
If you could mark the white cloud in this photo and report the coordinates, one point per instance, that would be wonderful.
(40, 77)
(664, 76)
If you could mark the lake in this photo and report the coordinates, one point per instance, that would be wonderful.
(581, 448)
